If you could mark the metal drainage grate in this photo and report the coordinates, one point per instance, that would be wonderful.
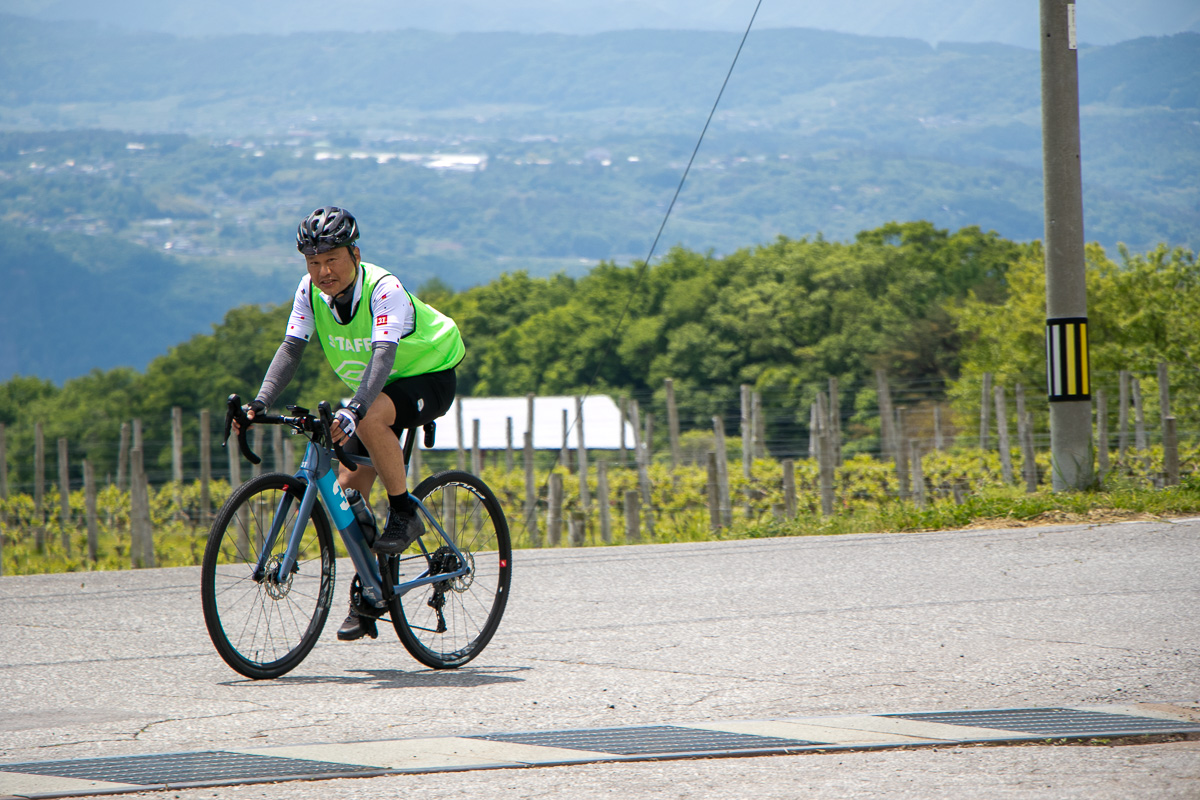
(1054, 721)
(181, 768)
(653, 739)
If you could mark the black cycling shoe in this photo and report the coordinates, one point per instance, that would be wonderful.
(402, 529)
(357, 626)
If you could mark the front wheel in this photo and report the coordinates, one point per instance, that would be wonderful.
(446, 624)
(264, 625)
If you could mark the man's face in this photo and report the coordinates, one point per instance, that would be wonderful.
(333, 272)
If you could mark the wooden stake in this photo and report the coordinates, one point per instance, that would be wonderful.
(564, 455)
(747, 433)
(461, 452)
(64, 496)
(1029, 457)
(1123, 417)
(835, 421)
(39, 486)
(508, 444)
(576, 529)
(585, 499)
(177, 444)
(633, 533)
(624, 417)
(985, 425)
(672, 422)
(722, 471)
(205, 441)
(789, 488)
(1006, 468)
(713, 494)
(887, 434)
(939, 443)
(1164, 391)
(918, 475)
(902, 455)
(531, 520)
(123, 458)
(554, 511)
(1139, 418)
(89, 500)
(602, 499)
(825, 465)
(1102, 432)
(1170, 454)
(476, 456)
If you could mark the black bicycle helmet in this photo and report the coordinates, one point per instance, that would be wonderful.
(326, 229)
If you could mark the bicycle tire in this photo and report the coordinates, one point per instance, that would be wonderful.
(263, 629)
(469, 608)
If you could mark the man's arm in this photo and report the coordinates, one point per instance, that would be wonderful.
(282, 370)
(383, 358)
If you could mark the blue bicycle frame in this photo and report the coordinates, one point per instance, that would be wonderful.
(316, 470)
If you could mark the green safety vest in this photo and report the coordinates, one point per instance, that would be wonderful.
(433, 345)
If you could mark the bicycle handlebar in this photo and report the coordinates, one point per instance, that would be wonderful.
(234, 411)
(326, 421)
(303, 422)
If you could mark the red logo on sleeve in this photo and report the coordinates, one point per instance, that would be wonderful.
(381, 319)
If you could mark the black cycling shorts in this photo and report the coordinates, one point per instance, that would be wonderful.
(418, 399)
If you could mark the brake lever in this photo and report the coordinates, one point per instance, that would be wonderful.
(235, 411)
(326, 421)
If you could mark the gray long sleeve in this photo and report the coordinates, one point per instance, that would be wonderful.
(282, 370)
(383, 358)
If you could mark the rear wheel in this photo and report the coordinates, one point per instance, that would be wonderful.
(263, 626)
(446, 624)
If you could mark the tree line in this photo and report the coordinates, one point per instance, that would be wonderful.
(935, 309)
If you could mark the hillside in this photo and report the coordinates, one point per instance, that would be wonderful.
(1014, 22)
(468, 155)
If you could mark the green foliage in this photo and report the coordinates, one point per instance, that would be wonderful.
(1141, 311)
(865, 488)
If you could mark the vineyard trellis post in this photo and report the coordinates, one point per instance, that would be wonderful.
(585, 500)
(1123, 418)
(554, 510)
(602, 499)
(633, 533)
(508, 444)
(985, 424)
(205, 442)
(1006, 469)
(713, 493)
(531, 519)
(123, 458)
(722, 472)
(1139, 417)
(64, 495)
(89, 500)
(1170, 453)
(1102, 432)
(461, 451)
(39, 487)
(672, 422)
(902, 455)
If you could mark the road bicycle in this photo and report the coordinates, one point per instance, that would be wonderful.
(267, 580)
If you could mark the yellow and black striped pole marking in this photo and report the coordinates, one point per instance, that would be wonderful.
(1067, 375)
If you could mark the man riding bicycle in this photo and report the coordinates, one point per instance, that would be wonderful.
(397, 354)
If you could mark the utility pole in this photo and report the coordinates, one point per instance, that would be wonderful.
(1067, 374)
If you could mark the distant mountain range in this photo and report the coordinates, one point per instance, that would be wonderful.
(163, 176)
(1012, 22)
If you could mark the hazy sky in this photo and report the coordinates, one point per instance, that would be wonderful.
(1007, 21)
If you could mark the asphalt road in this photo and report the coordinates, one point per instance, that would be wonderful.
(120, 664)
